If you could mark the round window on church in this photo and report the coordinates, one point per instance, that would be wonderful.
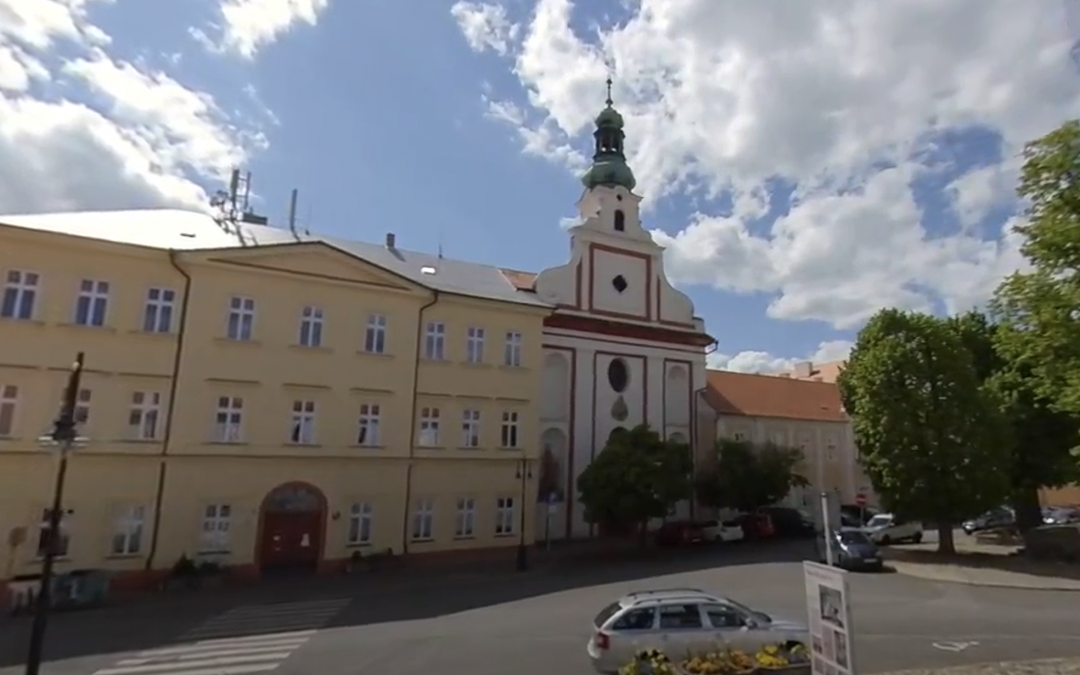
(618, 375)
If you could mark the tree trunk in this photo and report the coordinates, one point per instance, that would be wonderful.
(1027, 507)
(946, 544)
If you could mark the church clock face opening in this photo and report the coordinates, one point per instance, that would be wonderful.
(618, 375)
(620, 283)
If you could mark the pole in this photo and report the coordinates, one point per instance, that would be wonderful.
(826, 527)
(64, 434)
(547, 522)
(523, 550)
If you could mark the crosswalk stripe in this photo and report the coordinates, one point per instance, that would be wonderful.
(260, 638)
(225, 661)
(243, 669)
(191, 651)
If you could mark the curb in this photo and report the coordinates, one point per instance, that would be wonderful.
(1069, 666)
(918, 571)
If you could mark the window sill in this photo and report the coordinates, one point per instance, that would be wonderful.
(153, 333)
(470, 448)
(366, 446)
(302, 445)
(514, 369)
(505, 535)
(136, 441)
(504, 448)
(431, 447)
(474, 364)
(464, 537)
(376, 355)
(423, 540)
(312, 349)
(84, 326)
(124, 556)
(25, 322)
(435, 362)
(226, 443)
(358, 546)
(242, 343)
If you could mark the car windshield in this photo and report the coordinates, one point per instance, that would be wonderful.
(851, 537)
(605, 614)
(879, 521)
(761, 617)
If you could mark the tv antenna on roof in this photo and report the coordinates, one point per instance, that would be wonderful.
(233, 206)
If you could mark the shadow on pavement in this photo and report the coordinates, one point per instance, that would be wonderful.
(155, 620)
(984, 560)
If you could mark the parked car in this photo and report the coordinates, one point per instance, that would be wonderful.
(688, 619)
(679, 533)
(1060, 515)
(757, 525)
(851, 550)
(789, 522)
(994, 518)
(718, 531)
(886, 529)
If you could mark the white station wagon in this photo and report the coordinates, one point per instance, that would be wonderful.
(885, 529)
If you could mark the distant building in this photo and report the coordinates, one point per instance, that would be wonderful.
(815, 372)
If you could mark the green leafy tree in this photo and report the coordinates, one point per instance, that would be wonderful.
(638, 476)
(1041, 307)
(928, 432)
(1041, 439)
(746, 476)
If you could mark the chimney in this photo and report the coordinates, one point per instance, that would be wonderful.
(803, 369)
(391, 240)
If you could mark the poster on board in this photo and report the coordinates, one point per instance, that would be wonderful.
(829, 617)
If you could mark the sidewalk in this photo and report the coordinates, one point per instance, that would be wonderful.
(1041, 667)
(983, 565)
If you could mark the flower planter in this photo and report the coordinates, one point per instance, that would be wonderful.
(790, 669)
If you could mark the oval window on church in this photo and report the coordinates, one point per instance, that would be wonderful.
(618, 376)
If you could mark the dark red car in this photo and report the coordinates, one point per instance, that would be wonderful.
(679, 533)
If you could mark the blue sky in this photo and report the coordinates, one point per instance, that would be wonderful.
(804, 167)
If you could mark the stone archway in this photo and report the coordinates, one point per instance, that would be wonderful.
(292, 528)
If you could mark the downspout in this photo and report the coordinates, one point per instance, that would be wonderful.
(170, 410)
(412, 419)
(695, 432)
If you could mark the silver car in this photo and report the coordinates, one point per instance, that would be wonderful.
(681, 621)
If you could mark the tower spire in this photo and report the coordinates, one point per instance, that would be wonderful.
(608, 100)
(609, 159)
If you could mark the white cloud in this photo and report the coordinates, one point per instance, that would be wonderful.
(485, 26)
(146, 140)
(763, 362)
(842, 98)
(246, 26)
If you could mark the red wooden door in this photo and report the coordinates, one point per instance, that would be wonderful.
(290, 539)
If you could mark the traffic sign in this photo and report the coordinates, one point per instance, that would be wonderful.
(860, 499)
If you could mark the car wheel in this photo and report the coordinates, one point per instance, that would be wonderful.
(969, 531)
(917, 538)
(886, 541)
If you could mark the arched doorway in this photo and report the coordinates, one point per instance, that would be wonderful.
(292, 528)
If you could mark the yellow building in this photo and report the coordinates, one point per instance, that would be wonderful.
(259, 398)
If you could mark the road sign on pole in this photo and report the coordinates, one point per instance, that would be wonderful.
(860, 499)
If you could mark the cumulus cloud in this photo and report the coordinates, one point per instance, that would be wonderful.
(765, 363)
(246, 26)
(845, 100)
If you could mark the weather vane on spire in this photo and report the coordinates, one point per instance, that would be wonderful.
(609, 101)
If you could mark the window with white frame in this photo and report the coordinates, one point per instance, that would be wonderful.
(423, 523)
(435, 341)
(229, 421)
(216, 526)
(474, 345)
(158, 312)
(510, 429)
(144, 416)
(82, 406)
(375, 334)
(470, 429)
(512, 351)
(9, 403)
(92, 303)
(311, 325)
(505, 520)
(368, 425)
(360, 521)
(63, 542)
(465, 518)
(128, 531)
(830, 452)
(241, 318)
(303, 422)
(429, 427)
(20, 294)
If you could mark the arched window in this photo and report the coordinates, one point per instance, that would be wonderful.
(620, 221)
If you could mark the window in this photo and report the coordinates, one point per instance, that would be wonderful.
(9, 400)
(504, 516)
(435, 342)
(740, 436)
(429, 427)
(311, 323)
(144, 415)
(680, 616)
(725, 616)
(127, 537)
(423, 520)
(62, 543)
(158, 313)
(830, 452)
(636, 619)
(620, 220)
(303, 422)
(216, 523)
(241, 318)
(228, 424)
(375, 334)
(360, 524)
(92, 303)
(470, 429)
(368, 425)
(509, 430)
(20, 292)
(512, 353)
(474, 345)
(465, 522)
(82, 406)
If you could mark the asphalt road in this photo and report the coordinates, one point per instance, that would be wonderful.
(533, 624)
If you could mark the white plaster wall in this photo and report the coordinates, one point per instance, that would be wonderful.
(607, 265)
(673, 304)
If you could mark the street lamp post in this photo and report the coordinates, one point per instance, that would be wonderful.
(63, 436)
(524, 473)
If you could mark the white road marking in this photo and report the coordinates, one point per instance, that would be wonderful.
(954, 646)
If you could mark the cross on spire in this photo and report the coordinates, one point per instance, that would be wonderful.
(609, 101)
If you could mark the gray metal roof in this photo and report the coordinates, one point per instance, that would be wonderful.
(191, 231)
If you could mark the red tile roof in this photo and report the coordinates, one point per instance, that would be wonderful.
(522, 281)
(748, 395)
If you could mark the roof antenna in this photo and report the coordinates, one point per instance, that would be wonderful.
(292, 213)
(440, 242)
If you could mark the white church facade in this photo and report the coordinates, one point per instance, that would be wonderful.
(623, 346)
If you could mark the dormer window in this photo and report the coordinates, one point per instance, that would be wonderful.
(620, 221)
